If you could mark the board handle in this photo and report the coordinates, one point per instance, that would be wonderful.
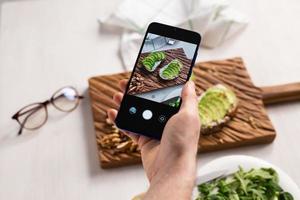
(281, 93)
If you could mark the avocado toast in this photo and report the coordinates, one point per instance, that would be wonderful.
(216, 107)
(152, 61)
(171, 70)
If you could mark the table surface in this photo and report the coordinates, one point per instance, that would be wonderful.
(46, 44)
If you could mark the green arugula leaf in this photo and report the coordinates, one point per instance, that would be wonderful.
(255, 184)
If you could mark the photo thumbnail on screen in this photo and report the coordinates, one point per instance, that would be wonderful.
(162, 69)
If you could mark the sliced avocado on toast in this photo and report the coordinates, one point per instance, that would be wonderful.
(171, 70)
(152, 61)
(216, 106)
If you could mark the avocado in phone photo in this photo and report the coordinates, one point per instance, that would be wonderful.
(153, 60)
(171, 70)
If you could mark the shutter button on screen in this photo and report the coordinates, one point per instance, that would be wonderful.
(147, 114)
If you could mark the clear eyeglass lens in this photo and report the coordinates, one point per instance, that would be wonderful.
(33, 116)
(66, 99)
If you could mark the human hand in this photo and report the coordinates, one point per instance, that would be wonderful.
(173, 159)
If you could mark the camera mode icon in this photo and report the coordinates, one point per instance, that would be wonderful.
(132, 110)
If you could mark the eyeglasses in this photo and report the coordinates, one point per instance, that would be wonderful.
(35, 115)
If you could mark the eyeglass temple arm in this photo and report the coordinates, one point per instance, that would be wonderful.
(20, 131)
(16, 115)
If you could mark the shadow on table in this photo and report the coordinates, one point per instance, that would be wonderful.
(9, 132)
(113, 30)
(284, 104)
(89, 135)
(9, 136)
(91, 145)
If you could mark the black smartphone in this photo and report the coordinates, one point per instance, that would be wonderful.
(153, 94)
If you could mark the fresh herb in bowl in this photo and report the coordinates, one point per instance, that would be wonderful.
(255, 184)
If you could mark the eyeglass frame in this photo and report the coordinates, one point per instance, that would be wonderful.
(43, 105)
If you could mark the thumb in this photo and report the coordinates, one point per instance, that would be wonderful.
(189, 97)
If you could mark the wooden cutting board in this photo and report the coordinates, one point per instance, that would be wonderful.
(250, 125)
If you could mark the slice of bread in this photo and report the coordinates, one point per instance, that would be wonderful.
(216, 106)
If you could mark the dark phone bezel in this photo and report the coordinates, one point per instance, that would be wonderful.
(170, 32)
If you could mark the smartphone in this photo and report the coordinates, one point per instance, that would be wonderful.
(153, 94)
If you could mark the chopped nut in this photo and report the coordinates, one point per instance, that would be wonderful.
(114, 131)
(116, 140)
(124, 145)
(133, 147)
(114, 135)
(132, 89)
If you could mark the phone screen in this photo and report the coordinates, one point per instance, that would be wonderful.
(163, 66)
(162, 69)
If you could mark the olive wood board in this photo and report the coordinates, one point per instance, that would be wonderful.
(250, 125)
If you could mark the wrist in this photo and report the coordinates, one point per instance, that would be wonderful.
(181, 169)
(177, 183)
(185, 169)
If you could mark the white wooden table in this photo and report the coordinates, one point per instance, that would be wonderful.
(46, 44)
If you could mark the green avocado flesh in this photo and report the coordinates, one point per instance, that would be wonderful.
(215, 104)
(172, 70)
(149, 61)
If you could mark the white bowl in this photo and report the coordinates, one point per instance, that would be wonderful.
(231, 164)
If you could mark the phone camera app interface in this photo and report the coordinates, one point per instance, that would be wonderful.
(162, 69)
